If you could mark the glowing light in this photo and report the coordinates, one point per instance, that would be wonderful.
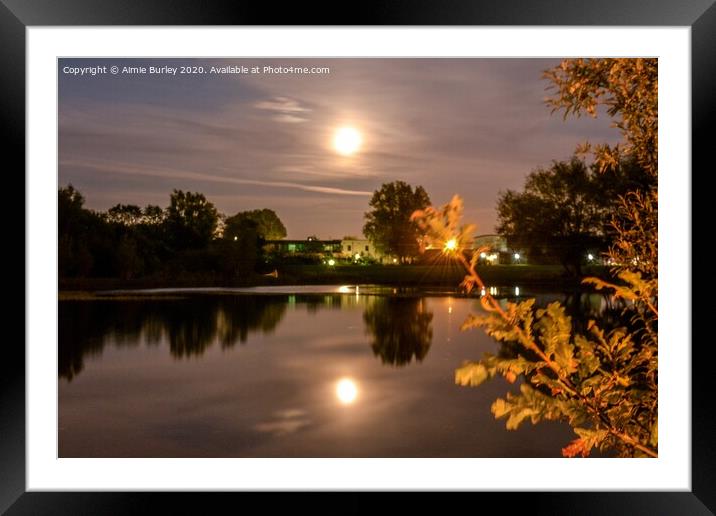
(517, 256)
(347, 141)
(451, 245)
(331, 262)
(483, 255)
(482, 292)
(395, 260)
(357, 256)
(344, 289)
(236, 238)
(449, 309)
(590, 257)
(346, 391)
(517, 291)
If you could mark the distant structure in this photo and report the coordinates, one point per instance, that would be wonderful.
(494, 249)
(360, 248)
(349, 248)
(493, 243)
(309, 246)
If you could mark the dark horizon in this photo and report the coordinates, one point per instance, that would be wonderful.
(468, 126)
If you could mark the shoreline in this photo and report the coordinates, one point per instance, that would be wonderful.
(539, 277)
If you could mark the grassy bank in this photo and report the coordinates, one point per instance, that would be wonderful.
(550, 276)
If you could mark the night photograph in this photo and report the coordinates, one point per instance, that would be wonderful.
(357, 257)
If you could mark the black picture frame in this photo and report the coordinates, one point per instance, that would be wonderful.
(16, 15)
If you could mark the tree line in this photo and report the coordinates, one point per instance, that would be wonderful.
(564, 212)
(189, 237)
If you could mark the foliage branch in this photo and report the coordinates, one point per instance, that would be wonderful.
(604, 383)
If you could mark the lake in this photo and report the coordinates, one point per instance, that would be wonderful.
(284, 372)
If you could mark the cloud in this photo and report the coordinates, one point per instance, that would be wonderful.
(285, 109)
(289, 119)
(468, 126)
(285, 422)
(152, 171)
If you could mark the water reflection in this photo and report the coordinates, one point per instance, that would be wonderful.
(401, 328)
(346, 391)
(189, 326)
(310, 375)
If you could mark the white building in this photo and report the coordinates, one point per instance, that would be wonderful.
(359, 248)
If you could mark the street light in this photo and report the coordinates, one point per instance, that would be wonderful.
(517, 256)
(451, 244)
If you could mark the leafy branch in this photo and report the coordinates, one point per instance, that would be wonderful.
(602, 384)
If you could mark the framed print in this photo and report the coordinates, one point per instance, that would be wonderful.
(416, 253)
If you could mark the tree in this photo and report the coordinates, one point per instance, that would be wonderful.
(153, 215)
(401, 329)
(628, 88)
(604, 383)
(243, 250)
(129, 262)
(191, 220)
(268, 224)
(70, 208)
(388, 224)
(565, 211)
(125, 214)
(78, 228)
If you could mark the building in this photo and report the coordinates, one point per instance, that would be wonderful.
(352, 248)
(349, 248)
(492, 243)
(494, 249)
(309, 246)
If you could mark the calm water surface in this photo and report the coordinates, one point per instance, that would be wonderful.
(319, 372)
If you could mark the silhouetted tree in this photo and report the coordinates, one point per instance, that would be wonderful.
(566, 210)
(191, 220)
(153, 215)
(241, 245)
(268, 225)
(130, 242)
(125, 214)
(388, 223)
(401, 329)
(78, 229)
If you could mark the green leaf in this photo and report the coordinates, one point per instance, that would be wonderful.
(472, 374)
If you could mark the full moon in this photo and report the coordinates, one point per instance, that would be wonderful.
(346, 391)
(347, 141)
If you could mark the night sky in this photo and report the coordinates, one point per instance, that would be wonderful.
(467, 126)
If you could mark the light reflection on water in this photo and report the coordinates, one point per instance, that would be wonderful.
(283, 375)
(346, 391)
